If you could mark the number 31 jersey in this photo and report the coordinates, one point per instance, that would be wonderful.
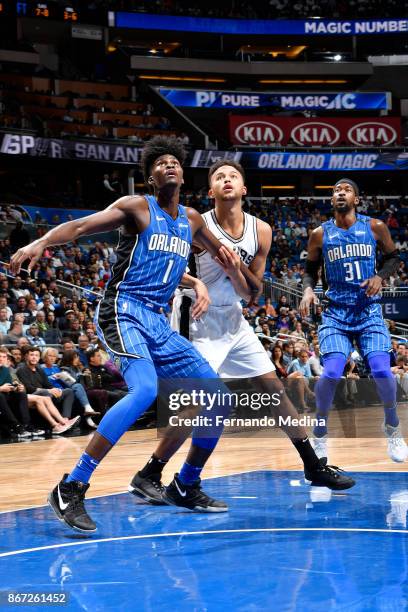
(349, 258)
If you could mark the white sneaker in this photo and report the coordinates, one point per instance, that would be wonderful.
(60, 429)
(320, 446)
(397, 448)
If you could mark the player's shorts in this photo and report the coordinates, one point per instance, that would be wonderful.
(227, 341)
(343, 325)
(129, 330)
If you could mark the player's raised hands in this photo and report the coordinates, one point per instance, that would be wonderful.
(32, 252)
(373, 285)
(309, 298)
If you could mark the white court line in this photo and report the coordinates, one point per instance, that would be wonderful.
(194, 533)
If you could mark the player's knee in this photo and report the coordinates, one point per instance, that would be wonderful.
(380, 366)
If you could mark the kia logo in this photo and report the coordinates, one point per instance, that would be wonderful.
(370, 132)
(258, 132)
(315, 133)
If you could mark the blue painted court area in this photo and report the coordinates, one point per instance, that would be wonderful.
(282, 546)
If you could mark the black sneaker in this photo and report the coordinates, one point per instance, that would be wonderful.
(150, 489)
(67, 501)
(191, 497)
(329, 476)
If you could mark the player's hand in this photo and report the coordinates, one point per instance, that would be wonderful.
(32, 251)
(309, 298)
(229, 260)
(373, 285)
(202, 300)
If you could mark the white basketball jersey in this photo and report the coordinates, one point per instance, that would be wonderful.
(219, 286)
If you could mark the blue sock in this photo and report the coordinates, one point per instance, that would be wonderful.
(379, 363)
(189, 473)
(83, 469)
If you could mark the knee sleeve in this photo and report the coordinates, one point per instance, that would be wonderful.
(141, 380)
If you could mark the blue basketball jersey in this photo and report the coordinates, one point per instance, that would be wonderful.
(150, 265)
(349, 258)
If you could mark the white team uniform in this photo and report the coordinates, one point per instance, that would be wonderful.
(222, 335)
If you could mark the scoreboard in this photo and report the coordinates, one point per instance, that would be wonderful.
(40, 10)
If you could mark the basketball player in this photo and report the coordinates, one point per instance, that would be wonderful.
(223, 336)
(154, 244)
(346, 246)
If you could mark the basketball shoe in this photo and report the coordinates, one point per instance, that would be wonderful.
(191, 497)
(67, 501)
(150, 489)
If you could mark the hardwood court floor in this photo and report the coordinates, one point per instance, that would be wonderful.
(29, 470)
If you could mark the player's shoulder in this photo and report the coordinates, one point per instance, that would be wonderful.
(262, 226)
(131, 202)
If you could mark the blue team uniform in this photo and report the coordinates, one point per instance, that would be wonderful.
(130, 319)
(349, 258)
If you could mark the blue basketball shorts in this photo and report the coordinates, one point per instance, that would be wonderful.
(130, 330)
(342, 326)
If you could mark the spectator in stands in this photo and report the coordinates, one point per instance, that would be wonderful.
(36, 382)
(15, 332)
(21, 308)
(15, 353)
(269, 309)
(13, 400)
(83, 346)
(33, 336)
(297, 385)
(4, 321)
(101, 378)
(288, 350)
(62, 379)
(98, 398)
(315, 362)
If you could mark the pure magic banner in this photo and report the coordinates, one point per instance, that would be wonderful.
(264, 130)
(343, 101)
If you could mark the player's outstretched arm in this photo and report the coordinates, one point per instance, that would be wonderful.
(313, 262)
(109, 219)
(390, 260)
(247, 285)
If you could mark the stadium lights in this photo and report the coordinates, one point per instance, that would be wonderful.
(337, 57)
(323, 186)
(277, 187)
(304, 81)
(153, 77)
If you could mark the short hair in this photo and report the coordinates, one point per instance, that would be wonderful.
(350, 182)
(158, 146)
(4, 350)
(91, 351)
(30, 349)
(225, 162)
(47, 350)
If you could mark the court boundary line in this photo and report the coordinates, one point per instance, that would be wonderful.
(204, 532)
